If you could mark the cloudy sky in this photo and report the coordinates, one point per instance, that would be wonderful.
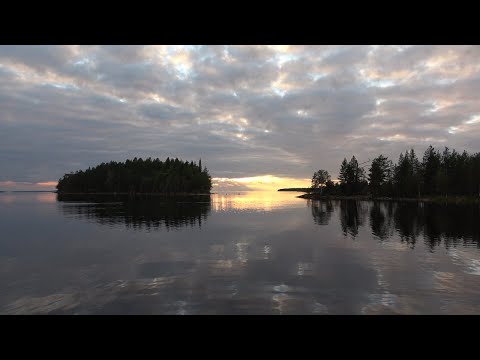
(258, 116)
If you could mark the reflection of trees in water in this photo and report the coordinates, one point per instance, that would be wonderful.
(451, 224)
(381, 219)
(408, 219)
(139, 214)
(321, 211)
(352, 216)
(454, 224)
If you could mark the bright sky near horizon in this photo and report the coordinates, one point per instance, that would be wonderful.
(260, 117)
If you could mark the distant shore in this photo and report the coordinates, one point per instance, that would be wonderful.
(306, 190)
(436, 199)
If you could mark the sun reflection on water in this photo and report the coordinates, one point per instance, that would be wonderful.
(255, 200)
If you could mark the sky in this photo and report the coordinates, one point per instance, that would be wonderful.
(259, 117)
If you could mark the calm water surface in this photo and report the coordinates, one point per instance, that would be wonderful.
(237, 253)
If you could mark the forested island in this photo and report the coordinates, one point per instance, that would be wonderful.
(172, 176)
(438, 175)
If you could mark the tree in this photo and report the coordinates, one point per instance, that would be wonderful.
(430, 166)
(351, 176)
(379, 174)
(320, 179)
(355, 175)
(441, 181)
(343, 171)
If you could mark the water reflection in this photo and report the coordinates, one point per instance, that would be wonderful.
(381, 219)
(48, 197)
(260, 201)
(251, 256)
(352, 216)
(138, 214)
(7, 198)
(321, 211)
(25, 197)
(450, 225)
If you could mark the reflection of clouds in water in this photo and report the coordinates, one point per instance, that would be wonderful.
(87, 301)
(384, 299)
(304, 268)
(280, 297)
(217, 249)
(395, 245)
(266, 251)
(26, 197)
(443, 275)
(242, 251)
(466, 260)
(380, 280)
(281, 288)
(319, 308)
(7, 198)
(380, 302)
(46, 197)
(280, 300)
(234, 289)
(229, 267)
(443, 280)
(221, 265)
(181, 307)
(474, 267)
(42, 305)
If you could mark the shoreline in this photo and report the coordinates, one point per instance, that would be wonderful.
(451, 199)
(133, 194)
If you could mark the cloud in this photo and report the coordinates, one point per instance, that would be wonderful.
(247, 111)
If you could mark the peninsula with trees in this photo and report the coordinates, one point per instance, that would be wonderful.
(138, 176)
(439, 175)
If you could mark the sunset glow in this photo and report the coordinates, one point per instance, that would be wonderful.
(263, 183)
(25, 186)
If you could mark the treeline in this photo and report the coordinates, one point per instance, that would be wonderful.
(437, 173)
(139, 176)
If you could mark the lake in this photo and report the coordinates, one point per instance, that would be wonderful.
(236, 253)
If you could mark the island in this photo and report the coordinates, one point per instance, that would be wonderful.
(138, 176)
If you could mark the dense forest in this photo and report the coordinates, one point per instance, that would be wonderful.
(139, 176)
(438, 173)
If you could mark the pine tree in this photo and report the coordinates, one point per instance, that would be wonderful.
(343, 171)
